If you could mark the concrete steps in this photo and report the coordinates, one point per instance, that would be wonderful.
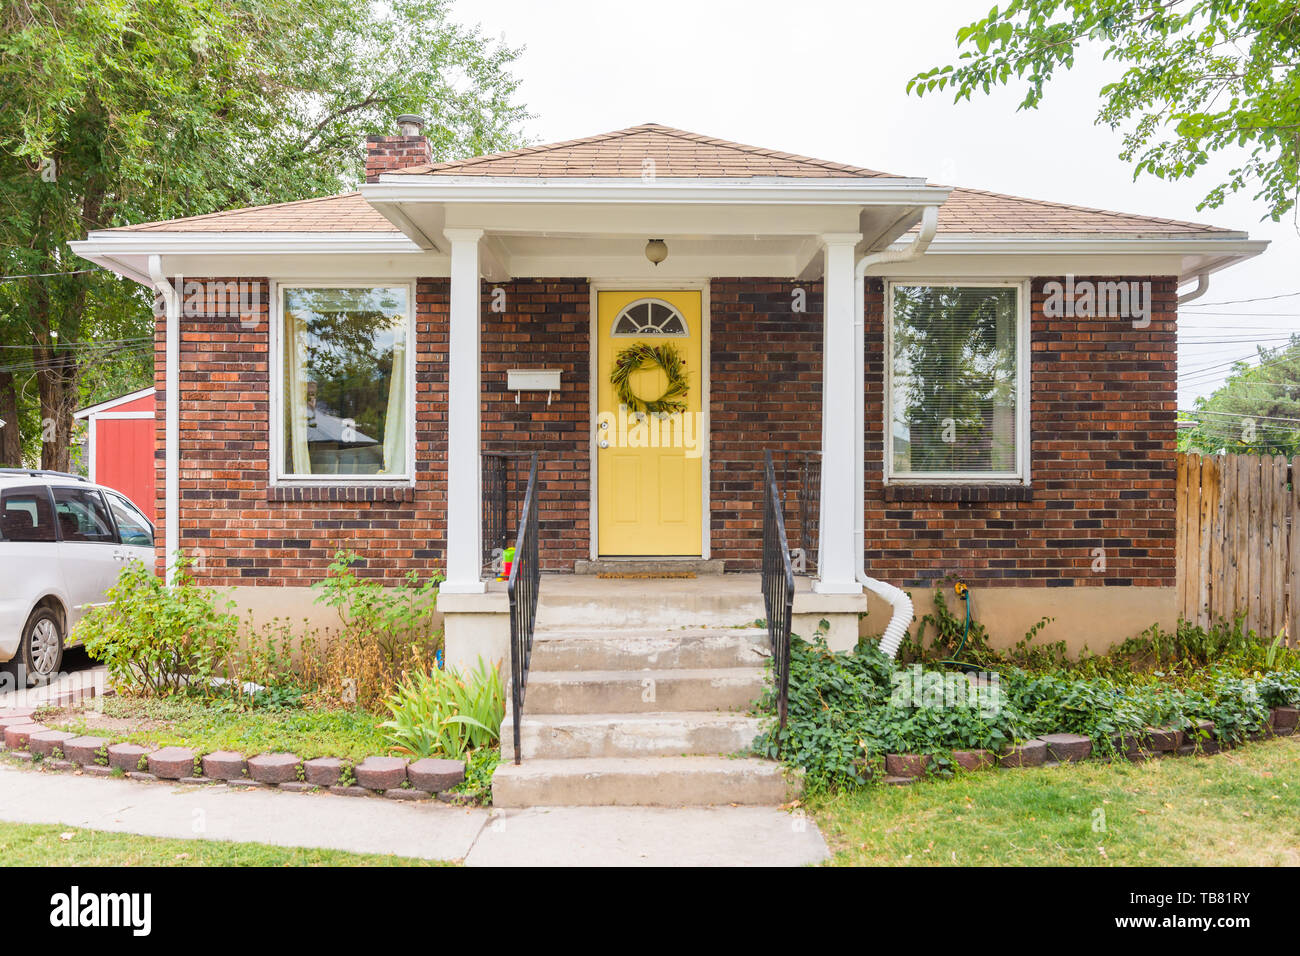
(636, 781)
(643, 691)
(615, 604)
(656, 734)
(625, 712)
(656, 649)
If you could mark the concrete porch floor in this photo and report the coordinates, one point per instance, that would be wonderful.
(571, 603)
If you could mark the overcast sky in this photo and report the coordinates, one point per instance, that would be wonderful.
(828, 79)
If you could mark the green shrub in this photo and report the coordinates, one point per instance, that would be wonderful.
(846, 710)
(480, 765)
(1190, 643)
(388, 631)
(1280, 689)
(385, 615)
(445, 713)
(159, 640)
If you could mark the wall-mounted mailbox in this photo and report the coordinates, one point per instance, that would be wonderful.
(533, 380)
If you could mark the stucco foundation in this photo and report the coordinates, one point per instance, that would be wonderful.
(1091, 618)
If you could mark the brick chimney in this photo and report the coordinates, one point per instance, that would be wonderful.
(387, 153)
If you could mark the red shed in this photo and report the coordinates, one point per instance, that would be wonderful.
(120, 447)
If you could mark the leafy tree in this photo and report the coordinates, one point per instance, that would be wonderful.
(122, 111)
(1255, 412)
(1198, 77)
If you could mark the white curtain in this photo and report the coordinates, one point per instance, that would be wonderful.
(295, 393)
(395, 416)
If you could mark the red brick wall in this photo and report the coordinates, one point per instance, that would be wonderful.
(545, 324)
(246, 534)
(765, 392)
(1103, 446)
(1103, 408)
(231, 520)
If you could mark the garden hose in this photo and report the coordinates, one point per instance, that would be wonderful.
(963, 592)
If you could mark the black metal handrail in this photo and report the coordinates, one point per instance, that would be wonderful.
(799, 477)
(523, 586)
(501, 475)
(778, 588)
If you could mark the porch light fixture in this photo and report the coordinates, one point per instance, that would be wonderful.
(656, 250)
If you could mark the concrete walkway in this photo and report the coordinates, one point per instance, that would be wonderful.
(544, 836)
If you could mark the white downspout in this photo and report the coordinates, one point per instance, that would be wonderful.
(171, 428)
(1202, 286)
(901, 603)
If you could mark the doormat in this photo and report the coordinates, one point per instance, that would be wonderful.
(645, 574)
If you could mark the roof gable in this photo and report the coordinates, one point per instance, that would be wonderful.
(677, 154)
(626, 154)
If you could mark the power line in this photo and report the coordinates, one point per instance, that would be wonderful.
(1262, 298)
(37, 365)
(1239, 340)
(46, 275)
(1202, 371)
(1239, 415)
(1214, 318)
(106, 343)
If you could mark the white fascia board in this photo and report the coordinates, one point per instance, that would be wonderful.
(127, 253)
(475, 189)
(114, 403)
(1211, 253)
(1236, 242)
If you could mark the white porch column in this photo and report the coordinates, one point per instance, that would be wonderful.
(841, 422)
(464, 485)
(171, 415)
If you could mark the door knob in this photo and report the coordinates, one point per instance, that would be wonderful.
(604, 443)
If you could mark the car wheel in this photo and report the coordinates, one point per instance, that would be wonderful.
(42, 647)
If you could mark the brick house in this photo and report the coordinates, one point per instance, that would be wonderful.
(953, 381)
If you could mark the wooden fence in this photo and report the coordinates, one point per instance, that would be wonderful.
(1239, 541)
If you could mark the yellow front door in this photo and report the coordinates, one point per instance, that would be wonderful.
(649, 466)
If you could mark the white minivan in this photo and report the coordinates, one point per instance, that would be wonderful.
(63, 542)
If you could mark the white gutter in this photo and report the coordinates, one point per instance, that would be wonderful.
(1202, 286)
(900, 602)
(171, 429)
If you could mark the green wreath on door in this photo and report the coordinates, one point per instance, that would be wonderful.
(643, 355)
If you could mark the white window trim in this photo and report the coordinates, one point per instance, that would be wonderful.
(276, 442)
(1024, 399)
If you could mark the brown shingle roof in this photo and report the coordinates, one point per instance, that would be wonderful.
(345, 213)
(971, 211)
(677, 154)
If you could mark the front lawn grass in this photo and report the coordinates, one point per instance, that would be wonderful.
(207, 726)
(28, 844)
(1236, 808)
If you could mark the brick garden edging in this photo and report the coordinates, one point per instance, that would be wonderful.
(391, 777)
(1052, 749)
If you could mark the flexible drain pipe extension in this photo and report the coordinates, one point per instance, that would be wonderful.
(898, 600)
